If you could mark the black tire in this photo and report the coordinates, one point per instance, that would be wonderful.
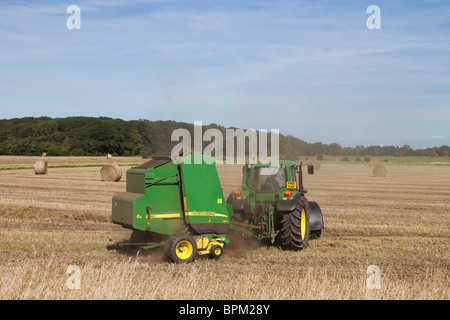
(294, 227)
(216, 251)
(181, 248)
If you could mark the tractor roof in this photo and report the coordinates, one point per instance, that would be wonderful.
(285, 162)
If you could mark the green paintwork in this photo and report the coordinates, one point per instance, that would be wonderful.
(201, 187)
(126, 206)
(151, 194)
(136, 180)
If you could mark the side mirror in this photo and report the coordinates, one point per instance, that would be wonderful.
(310, 169)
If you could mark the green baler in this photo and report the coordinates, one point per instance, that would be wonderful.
(176, 203)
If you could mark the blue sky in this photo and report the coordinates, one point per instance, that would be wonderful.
(311, 69)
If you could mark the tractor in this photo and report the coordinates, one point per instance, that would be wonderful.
(179, 204)
(271, 206)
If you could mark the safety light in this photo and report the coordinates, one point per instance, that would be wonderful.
(288, 194)
(238, 193)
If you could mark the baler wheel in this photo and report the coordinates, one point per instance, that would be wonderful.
(181, 248)
(216, 251)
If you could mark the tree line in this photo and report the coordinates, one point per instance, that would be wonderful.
(96, 136)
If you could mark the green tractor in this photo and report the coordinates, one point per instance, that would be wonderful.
(179, 204)
(271, 206)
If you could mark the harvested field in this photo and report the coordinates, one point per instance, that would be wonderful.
(400, 223)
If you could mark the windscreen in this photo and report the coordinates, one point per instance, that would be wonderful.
(266, 179)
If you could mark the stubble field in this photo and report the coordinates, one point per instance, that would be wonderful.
(398, 226)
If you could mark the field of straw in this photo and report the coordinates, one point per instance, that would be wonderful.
(385, 238)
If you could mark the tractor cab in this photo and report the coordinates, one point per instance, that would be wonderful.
(260, 178)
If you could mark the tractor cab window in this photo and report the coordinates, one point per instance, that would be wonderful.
(266, 179)
(294, 174)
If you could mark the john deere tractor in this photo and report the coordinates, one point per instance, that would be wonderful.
(271, 206)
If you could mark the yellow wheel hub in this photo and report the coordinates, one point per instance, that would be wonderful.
(303, 223)
(184, 249)
(217, 251)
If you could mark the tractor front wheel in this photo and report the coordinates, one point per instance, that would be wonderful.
(294, 227)
(181, 248)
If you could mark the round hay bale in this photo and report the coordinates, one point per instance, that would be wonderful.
(111, 172)
(108, 156)
(44, 154)
(373, 162)
(316, 165)
(40, 167)
(379, 171)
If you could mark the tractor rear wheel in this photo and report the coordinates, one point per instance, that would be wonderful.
(294, 227)
(181, 248)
